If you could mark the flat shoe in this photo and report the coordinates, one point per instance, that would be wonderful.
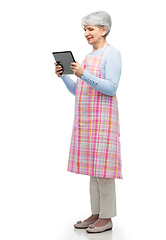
(93, 229)
(83, 225)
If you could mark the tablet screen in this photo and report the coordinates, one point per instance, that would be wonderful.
(65, 59)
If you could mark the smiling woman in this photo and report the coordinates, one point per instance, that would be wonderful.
(95, 144)
(95, 36)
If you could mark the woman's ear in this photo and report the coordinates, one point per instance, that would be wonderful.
(104, 30)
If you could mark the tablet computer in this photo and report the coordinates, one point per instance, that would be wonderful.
(64, 59)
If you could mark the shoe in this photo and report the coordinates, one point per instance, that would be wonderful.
(83, 225)
(93, 229)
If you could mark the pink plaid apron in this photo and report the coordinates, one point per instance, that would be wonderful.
(95, 144)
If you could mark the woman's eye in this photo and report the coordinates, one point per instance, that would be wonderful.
(90, 29)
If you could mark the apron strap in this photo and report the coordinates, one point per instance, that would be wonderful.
(106, 44)
(84, 62)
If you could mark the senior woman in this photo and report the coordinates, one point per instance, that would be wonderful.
(95, 144)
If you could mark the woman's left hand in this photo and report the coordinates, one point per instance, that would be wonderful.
(77, 69)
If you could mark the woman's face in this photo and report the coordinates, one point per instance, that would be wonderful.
(94, 34)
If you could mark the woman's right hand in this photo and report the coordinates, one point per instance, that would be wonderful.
(58, 69)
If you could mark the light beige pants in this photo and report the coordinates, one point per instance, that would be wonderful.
(103, 197)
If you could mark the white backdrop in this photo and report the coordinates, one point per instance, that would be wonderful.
(37, 194)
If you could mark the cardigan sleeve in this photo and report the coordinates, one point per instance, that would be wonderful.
(109, 84)
(70, 84)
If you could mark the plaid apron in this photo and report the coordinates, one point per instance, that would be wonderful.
(95, 144)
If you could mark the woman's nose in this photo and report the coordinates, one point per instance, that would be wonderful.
(86, 33)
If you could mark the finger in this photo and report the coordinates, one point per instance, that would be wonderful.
(73, 64)
(59, 73)
(72, 67)
(58, 67)
(60, 70)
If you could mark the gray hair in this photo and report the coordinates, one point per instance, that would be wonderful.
(99, 19)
